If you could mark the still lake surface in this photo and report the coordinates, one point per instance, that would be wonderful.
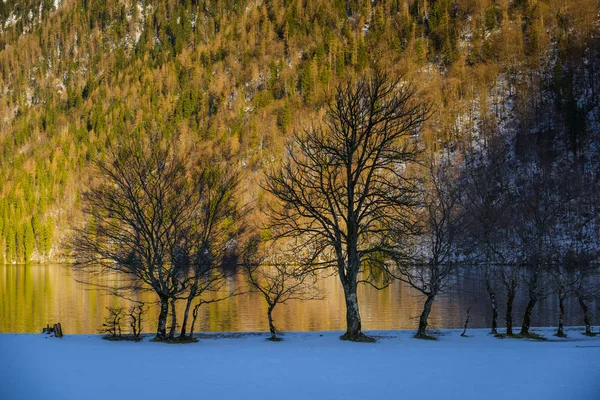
(32, 296)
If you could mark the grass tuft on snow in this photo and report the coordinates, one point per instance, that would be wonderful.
(125, 338)
(177, 340)
(425, 337)
(361, 338)
(531, 336)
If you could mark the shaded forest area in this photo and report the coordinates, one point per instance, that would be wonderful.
(233, 79)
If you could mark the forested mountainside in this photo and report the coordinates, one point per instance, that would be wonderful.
(233, 78)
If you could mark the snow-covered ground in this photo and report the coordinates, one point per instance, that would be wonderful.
(306, 365)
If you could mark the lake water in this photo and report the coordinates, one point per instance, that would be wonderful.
(32, 296)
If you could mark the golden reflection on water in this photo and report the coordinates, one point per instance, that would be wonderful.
(32, 296)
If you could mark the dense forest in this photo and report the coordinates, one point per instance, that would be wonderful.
(235, 78)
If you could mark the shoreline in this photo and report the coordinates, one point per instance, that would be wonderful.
(546, 330)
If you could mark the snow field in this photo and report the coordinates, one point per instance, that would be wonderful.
(306, 365)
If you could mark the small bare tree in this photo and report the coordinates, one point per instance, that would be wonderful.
(278, 280)
(136, 319)
(344, 189)
(214, 288)
(438, 244)
(112, 323)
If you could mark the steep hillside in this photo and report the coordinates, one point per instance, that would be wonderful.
(232, 78)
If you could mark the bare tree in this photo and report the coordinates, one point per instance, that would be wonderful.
(563, 283)
(438, 245)
(486, 200)
(541, 198)
(584, 253)
(278, 279)
(136, 319)
(216, 223)
(501, 244)
(569, 275)
(344, 191)
(510, 279)
(585, 292)
(216, 289)
(138, 214)
(112, 323)
(574, 243)
(158, 224)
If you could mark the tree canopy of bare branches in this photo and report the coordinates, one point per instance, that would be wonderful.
(344, 191)
(218, 221)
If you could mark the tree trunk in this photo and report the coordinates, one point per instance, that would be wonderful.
(353, 324)
(527, 316)
(421, 333)
(349, 276)
(173, 319)
(161, 331)
(186, 313)
(510, 298)
(586, 316)
(194, 317)
(271, 324)
(464, 333)
(533, 297)
(561, 315)
(493, 302)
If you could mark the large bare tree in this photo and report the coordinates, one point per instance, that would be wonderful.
(344, 191)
